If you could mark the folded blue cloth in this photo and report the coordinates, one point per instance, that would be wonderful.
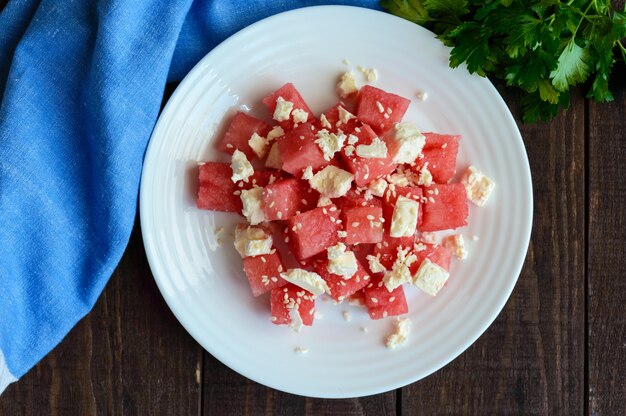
(81, 84)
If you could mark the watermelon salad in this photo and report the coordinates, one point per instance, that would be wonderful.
(341, 203)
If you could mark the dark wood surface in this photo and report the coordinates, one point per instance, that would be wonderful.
(557, 348)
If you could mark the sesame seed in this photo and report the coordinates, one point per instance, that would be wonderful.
(389, 110)
(263, 260)
(430, 191)
(280, 268)
(294, 228)
(380, 107)
(341, 298)
(304, 202)
(272, 251)
(279, 214)
(325, 211)
(374, 300)
(299, 225)
(391, 299)
(370, 217)
(237, 192)
(274, 279)
(240, 184)
(475, 237)
(443, 146)
(297, 212)
(384, 314)
(386, 115)
(436, 191)
(272, 204)
(355, 224)
(229, 146)
(364, 329)
(431, 199)
(287, 239)
(332, 209)
(274, 319)
(286, 296)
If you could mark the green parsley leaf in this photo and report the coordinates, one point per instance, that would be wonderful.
(572, 67)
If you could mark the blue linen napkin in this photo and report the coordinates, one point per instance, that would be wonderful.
(81, 84)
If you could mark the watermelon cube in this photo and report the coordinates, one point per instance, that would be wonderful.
(331, 120)
(391, 196)
(263, 272)
(436, 253)
(446, 208)
(363, 224)
(366, 170)
(313, 231)
(284, 299)
(341, 288)
(289, 93)
(440, 152)
(241, 128)
(381, 303)
(284, 198)
(218, 193)
(380, 109)
(387, 249)
(298, 150)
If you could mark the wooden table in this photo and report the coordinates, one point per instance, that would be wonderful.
(558, 347)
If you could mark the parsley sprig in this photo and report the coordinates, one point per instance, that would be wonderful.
(543, 47)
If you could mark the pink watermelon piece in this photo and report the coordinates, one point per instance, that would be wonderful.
(381, 303)
(367, 170)
(313, 231)
(299, 150)
(218, 193)
(363, 224)
(361, 251)
(332, 116)
(284, 198)
(369, 112)
(436, 253)
(341, 288)
(387, 249)
(289, 93)
(263, 272)
(440, 151)
(241, 128)
(281, 306)
(446, 210)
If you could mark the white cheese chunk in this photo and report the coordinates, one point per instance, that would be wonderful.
(273, 160)
(410, 142)
(425, 178)
(345, 115)
(377, 149)
(375, 265)
(307, 173)
(324, 122)
(430, 277)
(258, 144)
(324, 201)
(399, 273)
(332, 182)
(404, 218)
(299, 116)
(310, 281)
(347, 85)
(352, 139)
(295, 319)
(275, 133)
(371, 74)
(283, 109)
(252, 241)
(477, 185)
(340, 261)
(242, 169)
(253, 207)
(329, 143)
(401, 333)
(456, 244)
(378, 187)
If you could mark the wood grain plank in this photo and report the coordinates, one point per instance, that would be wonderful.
(128, 356)
(531, 359)
(607, 252)
(229, 393)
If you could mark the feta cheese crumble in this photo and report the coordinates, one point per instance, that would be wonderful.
(307, 173)
(477, 185)
(329, 143)
(425, 178)
(295, 319)
(253, 207)
(299, 116)
(410, 142)
(258, 144)
(324, 122)
(371, 74)
(242, 169)
(345, 115)
(340, 261)
(375, 265)
(375, 150)
(456, 244)
(401, 333)
(430, 277)
(378, 187)
(400, 273)
(252, 241)
(275, 133)
(332, 182)
(306, 280)
(346, 85)
(324, 201)
(404, 218)
(283, 109)
(273, 158)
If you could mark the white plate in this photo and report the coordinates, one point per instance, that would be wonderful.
(204, 284)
